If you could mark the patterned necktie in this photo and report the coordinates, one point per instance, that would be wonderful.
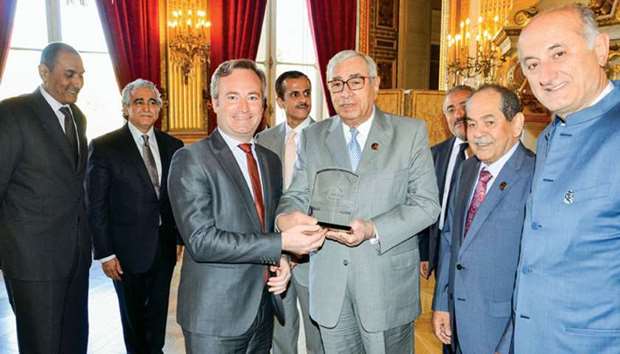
(478, 198)
(255, 179)
(149, 162)
(290, 155)
(70, 132)
(355, 152)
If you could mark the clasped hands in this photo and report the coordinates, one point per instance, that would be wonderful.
(294, 222)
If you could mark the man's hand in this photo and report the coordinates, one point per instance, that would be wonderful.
(286, 221)
(361, 230)
(277, 284)
(442, 327)
(112, 269)
(179, 252)
(303, 239)
(424, 269)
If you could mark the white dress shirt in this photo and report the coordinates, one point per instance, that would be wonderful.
(297, 129)
(240, 157)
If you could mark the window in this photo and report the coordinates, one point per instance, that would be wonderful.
(99, 99)
(286, 44)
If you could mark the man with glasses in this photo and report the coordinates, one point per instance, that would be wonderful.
(364, 283)
(134, 232)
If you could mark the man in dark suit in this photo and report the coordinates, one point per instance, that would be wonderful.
(447, 156)
(44, 241)
(130, 216)
(224, 191)
(295, 98)
(480, 241)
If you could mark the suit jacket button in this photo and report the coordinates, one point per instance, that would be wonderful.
(345, 263)
(459, 267)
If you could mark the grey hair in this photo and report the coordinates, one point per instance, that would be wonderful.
(227, 67)
(348, 54)
(587, 17)
(136, 84)
(510, 104)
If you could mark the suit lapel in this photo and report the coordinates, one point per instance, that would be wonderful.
(507, 177)
(281, 146)
(80, 122)
(49, 121)
(266, 179)
(336, 144)
(467, 182)
(135, 158)
(380, 134)
(230, 167)
(165, 157)
(442, 160)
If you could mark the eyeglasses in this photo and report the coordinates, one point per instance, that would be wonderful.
(354, 84)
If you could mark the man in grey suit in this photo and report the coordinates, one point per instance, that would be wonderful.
(447, 157)
(480, 241)
(295, 98)
(224, 191)
(45, 246)
(364, 283)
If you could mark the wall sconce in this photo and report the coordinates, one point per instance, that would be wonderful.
(189, 38)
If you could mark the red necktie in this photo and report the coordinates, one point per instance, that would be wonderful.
(256, 187)
(478, 198)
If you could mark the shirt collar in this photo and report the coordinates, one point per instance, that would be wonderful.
(299, 127)
(51, 100)
(232, 142)
(606, 91)
(137, 134)
(497, 166)
(362, 129)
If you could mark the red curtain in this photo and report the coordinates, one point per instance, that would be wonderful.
(131, 30)
(333, 25)
(235, 32)
(7, 13)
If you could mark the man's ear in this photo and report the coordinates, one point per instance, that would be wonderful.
(44, 72)
(518, 121)
(280, 102)
(601, 48)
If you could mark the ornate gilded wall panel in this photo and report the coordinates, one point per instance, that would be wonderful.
(378, 37)
(426, 105)
(392, 101)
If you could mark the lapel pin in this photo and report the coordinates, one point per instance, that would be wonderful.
(503, 185)
(374, 146)
(569, 197)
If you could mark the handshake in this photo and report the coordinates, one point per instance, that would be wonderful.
(301, 233)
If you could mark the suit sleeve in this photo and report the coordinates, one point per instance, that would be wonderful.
(424, 237)
(440, 298)
(192, 192)
(10, 148)
(98, 179)
(421, 206)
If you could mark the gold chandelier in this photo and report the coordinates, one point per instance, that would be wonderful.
(188, 30)
(482, 66)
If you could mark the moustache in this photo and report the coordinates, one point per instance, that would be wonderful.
(460, 121)
(482, 141)
(302, 106)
